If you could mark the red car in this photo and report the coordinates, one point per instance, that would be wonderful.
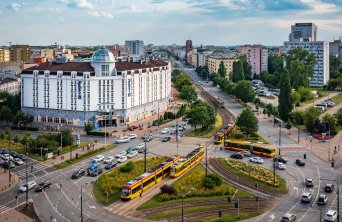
(134, 127)
(130, 128)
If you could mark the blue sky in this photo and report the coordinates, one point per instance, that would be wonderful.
(216, 22)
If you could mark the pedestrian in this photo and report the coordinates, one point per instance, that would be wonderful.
(60, 185)
(31, 168)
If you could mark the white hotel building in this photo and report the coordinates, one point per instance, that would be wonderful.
(101, 90)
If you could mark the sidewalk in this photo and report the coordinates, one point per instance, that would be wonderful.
(4, 185)
(14, 215)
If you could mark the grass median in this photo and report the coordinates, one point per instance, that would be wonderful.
(84, 156)
(237, 135)
(204, 133)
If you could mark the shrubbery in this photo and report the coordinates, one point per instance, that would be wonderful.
(211, 181)
(128, 167)
(28, 128)
(97, 133)
(238, 135)
(167, 189)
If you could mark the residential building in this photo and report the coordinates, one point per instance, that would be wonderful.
(11, 67)
(9, 85)
(47, 53)
(136, 49)
(200, 58)
(257, 57)
(102, 91)
(4, 55)
(20, 53)
(336, 49)
(215, 60)
(304, 32)
(304, 36)
(188, 50)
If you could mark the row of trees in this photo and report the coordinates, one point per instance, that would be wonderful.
(184, 86)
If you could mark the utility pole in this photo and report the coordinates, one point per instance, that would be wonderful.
(279, 135)
(145, 158)
(26, 193)
(177, 136)
(298, 135)
(206, 158)
(81, 206)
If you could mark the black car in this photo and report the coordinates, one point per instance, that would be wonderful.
(96, 172)
(300, 162)
(22, 157)
(43, 185)
(329, 188)
(280, 159)
(76, 174)
(165, 139)
(14, 154)
(110, 165)
(236, 156)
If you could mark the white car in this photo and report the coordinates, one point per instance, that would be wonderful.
(165, 131)
(31, 185)
(280, 166)
(123, 139)
(132, 136)
(132, 154)
(122, 159)
(256, 160)
(331, 215)
(18, 161)
(139, 146)
(109, 159)
(119, 155)
(6, 156)
(98, 158)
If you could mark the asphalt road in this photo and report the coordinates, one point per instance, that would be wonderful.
(294, 175)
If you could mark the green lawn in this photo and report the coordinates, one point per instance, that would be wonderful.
(282, 183)
(233, 217)
(244, 137)
(337, 99)
(204, 133)
(84, 156)
(114, 180)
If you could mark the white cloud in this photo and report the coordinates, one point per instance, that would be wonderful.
(103, 14)
(14, 7)
(63, 1)
(81, 4)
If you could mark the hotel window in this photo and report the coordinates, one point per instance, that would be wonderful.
(105, 70)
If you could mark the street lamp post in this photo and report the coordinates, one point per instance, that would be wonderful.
(183, 202)
(206, 158)
(279, 135)
(338, 196)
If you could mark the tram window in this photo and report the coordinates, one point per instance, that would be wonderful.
(159, 174)
(136, 189)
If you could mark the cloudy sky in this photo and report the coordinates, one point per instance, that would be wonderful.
(216, 22)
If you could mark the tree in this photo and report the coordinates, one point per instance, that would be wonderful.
(275, 63)
(201, 114)
(222, 71)
(181, 81)
(247, 122)
(67, 138)
(329, 121)
(311, 116)
(244, 91)
(247, 68)
(175, 74)
(22, 118)
(288, 125)
(334, 66)
(339, 116)
(335, 83)
(188, 93)
(237, 74)
(16, 139)
(6, 114)
(285, 102)
(211, 181)
(88, 127)
(297, 117)
(305, 94)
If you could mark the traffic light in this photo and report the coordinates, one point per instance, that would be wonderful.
(332, 164)
(220, 213)
(256, 198)
(16, 197)
(228, 199)
(304, 155)
(236, 205)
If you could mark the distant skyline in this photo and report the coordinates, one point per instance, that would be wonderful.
(207, 22)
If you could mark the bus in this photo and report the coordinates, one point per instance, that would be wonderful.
(258, 148)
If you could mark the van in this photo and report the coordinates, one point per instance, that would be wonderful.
(30, 185)
(320, 108)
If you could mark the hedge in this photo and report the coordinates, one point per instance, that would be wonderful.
(29, 128)
(97, 133)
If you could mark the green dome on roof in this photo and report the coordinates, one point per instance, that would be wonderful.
(103, 55)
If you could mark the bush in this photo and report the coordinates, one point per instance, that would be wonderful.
(254, 135)
(28, 128)
(128, 167)
(167, 189)
(238, 135)
(297, 117)
(211, 181)
(97, 133)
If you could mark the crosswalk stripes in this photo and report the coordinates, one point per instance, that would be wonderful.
(291, 147)
(4, 208)
(36, 168)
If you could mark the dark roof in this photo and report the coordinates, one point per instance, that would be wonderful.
(123, 66)
(6, 80)
(65, 67)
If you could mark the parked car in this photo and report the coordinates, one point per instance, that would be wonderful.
(165, 131)
(256, 160)
(30, 185)
(309, 182)
(236, 156)
(6, 156)
(109, 159)
(288, 218)
(148, 139)
(300, 162)
(329, 188)
(129, 149)
(23, 157)
(166, 139)
(43, 185)
(110, 165)
(139, 146)
(132, 154)
(4, 151)
(122, 159)
(322, 199)
(132, 136)
(122, 139)
(331, 215)
(246, 153)
(122, 153)
(280, 165)
(96, 172)
(18, 161)
(306, 197)
(98, 158)
(135, 127)
(14, 154)
(78, 173)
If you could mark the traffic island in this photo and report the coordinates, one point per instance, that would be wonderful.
(5, 183)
